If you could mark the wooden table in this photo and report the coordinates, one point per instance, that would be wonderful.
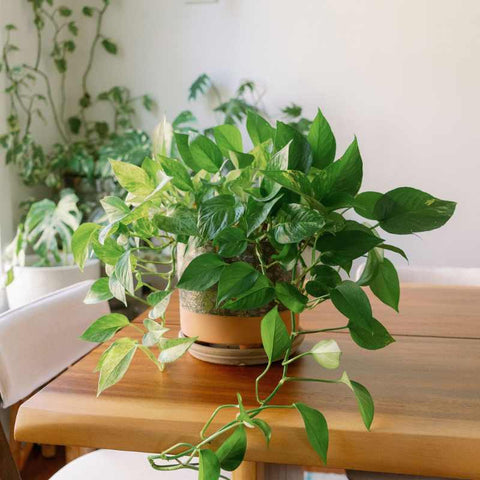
(426, 388)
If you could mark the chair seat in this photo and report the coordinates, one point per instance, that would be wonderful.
(118, 465)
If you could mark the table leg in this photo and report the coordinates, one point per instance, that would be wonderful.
(71, 453)
(249, 471)
(274, 471)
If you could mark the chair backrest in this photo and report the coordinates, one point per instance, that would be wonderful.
(39, 340)
(435, 275)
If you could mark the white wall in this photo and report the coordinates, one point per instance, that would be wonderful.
(403, 75)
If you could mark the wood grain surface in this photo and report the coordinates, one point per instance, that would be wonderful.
(426, 388)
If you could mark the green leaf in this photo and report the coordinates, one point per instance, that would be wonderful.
(206, 154)
(257, 212)
(316, 428)
(235, 279)
(322, 141)
(292, 180)
(202, 272)
(299, 150)
(154, 334)
(364, 400)
(218, 213)
(369, 334)
(201, 84)
(350, 300)
(174, 348)
(109, 252)
(123, 272)
(375, 257)
(159, 302)
(327, 353)
(74, 123)
(115, 208)
(385, 284)
(296, 223)
(183, 120)
(117, 289)
(116, 362)
(324, 278)
(392, 248)
(407, 210)
(258, 128)
(180, 176)
(364, 204)
(73, 29)
(81, 240)
(109, 46)
(209, 466)
(69, 45)
(132, 178)
(99, 292)
(341, 177)
(232, 451)
(61, 65)
(181, 139)
(275, 338)
(64, 11)
(231, 242)
(228, 137)
(88, 11)
(102, 129)
(259, 295)
(182, 221)
(148, 102)
(105, 328)
(264, 427)
(240, 160)
(346, 245)
(291, 297)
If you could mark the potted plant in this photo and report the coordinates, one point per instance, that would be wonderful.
(40, 256)
(85, 141)
(263, 234)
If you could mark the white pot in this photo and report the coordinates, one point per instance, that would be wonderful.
(31, 283)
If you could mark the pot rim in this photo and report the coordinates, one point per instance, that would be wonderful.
(90, 262)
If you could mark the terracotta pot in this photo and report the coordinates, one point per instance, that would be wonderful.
(226, 336)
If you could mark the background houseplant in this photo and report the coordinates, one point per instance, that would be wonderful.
(40, 257)
(37, 92)
(287, 191)
(234, 110)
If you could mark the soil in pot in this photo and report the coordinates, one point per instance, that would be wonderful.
(227, 336)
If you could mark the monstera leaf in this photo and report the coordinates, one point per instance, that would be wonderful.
(49, 227)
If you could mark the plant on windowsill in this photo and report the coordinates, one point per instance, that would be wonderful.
(39, 259)
(259, 234)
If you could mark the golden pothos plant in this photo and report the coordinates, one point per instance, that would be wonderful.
(287, 190)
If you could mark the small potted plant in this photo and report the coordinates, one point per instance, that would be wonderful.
(255, 238)
(39, 259)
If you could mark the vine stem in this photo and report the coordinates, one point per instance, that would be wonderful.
(50, 98)
(307, 332)
(91, 56)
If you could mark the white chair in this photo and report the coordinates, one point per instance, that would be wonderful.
(435, 275)
(37, 342)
